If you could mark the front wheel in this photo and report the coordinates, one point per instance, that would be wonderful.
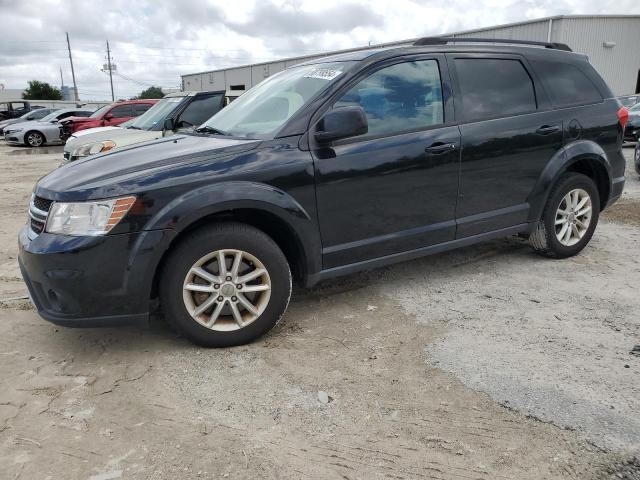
(34, 139)
(569, 218)
(225, 285)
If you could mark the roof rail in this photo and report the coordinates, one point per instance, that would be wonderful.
(445, 40)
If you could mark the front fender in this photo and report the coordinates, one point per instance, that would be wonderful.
(207, 200)
(560, 163)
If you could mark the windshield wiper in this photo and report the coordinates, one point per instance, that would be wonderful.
(134, 128)
(208, 129)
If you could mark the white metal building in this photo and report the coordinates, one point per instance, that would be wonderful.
(612, 43)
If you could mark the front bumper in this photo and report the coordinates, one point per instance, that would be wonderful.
(91, 281)
(14, 138)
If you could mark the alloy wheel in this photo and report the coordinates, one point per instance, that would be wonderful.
(34, 139)
(573, 217)
(226, 290)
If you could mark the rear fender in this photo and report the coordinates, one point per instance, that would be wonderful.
(560, 163)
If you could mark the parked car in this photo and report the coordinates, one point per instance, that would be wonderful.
(14, 109)
(632, 131)
(36, 114)
(629, 101)
(175, 111)
(341, 164)
(107, 116)
(37, 133)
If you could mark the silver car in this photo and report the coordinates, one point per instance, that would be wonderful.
(40, 132)
(36, 114)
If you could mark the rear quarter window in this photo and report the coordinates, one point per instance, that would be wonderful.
(494, 87)
(566, 84)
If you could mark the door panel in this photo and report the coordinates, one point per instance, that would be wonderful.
(390, 191)
(508, 136)
(502, 160)
(386, 195)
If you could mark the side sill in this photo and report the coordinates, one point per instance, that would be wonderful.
(312, 279)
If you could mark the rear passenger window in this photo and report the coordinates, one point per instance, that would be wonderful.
(140, 108)
(122, 111)
(402, 97)
(493, 87)
(566, 84)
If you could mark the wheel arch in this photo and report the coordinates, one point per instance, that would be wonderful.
(584, 157)
(262, 206)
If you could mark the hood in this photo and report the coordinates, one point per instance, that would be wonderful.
(11, 121)
(90, 131)
(121, 136)
(126, 170)
(80, 120)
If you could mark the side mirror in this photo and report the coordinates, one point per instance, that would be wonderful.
(108, 117)
(341, 122)
(169, 124)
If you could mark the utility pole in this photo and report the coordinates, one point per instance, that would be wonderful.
(113, 98)
(73, 73)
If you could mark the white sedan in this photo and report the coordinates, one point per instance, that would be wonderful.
(40, 132)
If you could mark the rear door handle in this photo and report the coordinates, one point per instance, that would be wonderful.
(440, 148)
(547, 129)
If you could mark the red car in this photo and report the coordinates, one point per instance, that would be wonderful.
(109, 115)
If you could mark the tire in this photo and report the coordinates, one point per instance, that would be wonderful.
(180, 287)
(545, 237)
(34, 139)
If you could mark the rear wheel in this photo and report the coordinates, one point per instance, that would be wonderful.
(225, 285)
(34, 139)
(569, 218)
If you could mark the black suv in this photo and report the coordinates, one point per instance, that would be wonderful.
(338, 165)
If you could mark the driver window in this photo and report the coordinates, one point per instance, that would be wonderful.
(401, 97)
(200, 110)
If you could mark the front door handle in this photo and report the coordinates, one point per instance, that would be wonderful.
(440, 148)
(547, 129)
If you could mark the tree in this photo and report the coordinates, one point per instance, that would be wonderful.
(41, 91)
(151, 92)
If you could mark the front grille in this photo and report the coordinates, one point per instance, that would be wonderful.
(42, 203)
(38, 210)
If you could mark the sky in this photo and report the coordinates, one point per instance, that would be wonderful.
(154, 42)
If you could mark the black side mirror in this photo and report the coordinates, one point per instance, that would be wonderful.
(341, 122)
(169, 124)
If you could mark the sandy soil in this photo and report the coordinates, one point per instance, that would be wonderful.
(484, 363)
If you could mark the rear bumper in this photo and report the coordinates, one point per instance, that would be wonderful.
(617, 186)
(91, 281)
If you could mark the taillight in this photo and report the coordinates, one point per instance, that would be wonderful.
(623, 116)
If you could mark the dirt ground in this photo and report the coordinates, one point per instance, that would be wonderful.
(484, 363)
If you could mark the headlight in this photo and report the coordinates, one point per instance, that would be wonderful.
(13, 130)
(93, 148)
(87, 218)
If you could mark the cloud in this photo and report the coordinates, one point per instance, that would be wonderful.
(154, 42)
(269, 19)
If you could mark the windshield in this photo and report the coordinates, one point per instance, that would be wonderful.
(155, 114)
(98, 113)
(267, 106)
(635, 108)
(53, 115)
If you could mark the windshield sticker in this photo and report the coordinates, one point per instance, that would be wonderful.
(323, 73)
